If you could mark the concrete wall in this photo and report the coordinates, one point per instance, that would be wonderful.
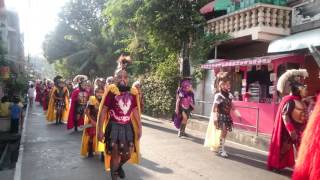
(204, 92)
(313, 80)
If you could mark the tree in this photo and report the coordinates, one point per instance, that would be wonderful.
(77, 42)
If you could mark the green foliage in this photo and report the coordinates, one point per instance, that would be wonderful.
(17, 86)
(78, 43)
(160, 87)
(154, 32)
(3, 52)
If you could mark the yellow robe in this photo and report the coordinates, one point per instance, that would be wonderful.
(135, 156)
(51, 113)
(85, 137)
(213, 135)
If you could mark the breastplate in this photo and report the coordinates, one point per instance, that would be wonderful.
(225, 106)
(299, 113)
(83, 98)
(60, 93)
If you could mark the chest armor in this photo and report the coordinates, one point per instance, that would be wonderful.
(60, 93)
(122, 107)
(94, 110)
(83, 98)
(299, 113)
(225, 106)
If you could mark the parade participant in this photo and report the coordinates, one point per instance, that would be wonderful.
(42, 91)
(46, 94)
(120, 114)
(79, 99)
(99, 83)
(89, 87)
(307, 166)
(69, 86)
(220, 118)
(89, 143)
(38, 89)
(137, 85)
(101, 145)
(184, 105)
(290, 120)
(59, 102)
(109, 80)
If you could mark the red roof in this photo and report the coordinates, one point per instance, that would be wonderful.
(246, 61)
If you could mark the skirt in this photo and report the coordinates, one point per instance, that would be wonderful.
(80, 109)
(121, 135)
(225, 120)
(187, 111)
(60, 105)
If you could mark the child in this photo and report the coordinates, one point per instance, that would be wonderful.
(15, 114)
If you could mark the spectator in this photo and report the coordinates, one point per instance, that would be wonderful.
(16, 115)
(31, 92)
(4, 107)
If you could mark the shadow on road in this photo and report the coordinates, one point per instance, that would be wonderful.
(172, 131)
(235, 154)
(252, 159)
(159, 128)
(155, 166)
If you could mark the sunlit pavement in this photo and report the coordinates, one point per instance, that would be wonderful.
(52, 153)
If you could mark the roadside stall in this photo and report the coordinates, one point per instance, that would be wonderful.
(254, 88)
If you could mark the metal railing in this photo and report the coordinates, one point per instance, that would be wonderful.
(256, 127)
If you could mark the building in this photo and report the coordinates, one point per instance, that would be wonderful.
(11, 38)
(253, 27)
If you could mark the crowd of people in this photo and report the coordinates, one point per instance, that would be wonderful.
(12, 109)
(294, 141)
(107, 110)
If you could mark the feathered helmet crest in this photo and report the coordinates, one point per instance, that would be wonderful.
(109, 80)
(289, 78)
(222, 77)
(80, 78)
(123, 62)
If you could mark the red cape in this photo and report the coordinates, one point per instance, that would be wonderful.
(38, 94)
(45, 97)
(72, 115)
(275, 160)
(308, 162)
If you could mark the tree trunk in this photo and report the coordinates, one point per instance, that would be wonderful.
(185, 70)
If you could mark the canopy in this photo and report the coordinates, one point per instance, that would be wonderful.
(297, 41)
(251, 61)
(217, 5)
(222, 4)
(208, 8)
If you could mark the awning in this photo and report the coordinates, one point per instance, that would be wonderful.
(217, 63)
(217, 5)
(222, 4)
(208, 8)
(295, 42)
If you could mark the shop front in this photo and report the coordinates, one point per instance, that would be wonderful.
(254, 88)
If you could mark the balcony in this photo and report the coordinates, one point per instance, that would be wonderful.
(260, 22)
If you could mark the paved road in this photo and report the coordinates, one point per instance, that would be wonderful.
(52, 153)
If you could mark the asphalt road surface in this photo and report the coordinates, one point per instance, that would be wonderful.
(52, 153)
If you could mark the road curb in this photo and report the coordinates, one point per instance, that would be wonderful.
(17, 171)
(260, 143)
(152, 118)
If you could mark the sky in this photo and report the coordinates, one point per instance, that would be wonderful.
(37, 18)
